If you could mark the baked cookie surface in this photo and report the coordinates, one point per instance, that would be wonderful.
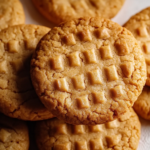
(59, 11)
(13, 134)
(11, 13)
(88, 71)
(123, 134)
(17, 96)
(139, 26)
(142, 105)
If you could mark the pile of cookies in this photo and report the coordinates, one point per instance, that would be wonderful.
(87, 71)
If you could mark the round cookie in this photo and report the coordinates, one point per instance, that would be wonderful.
(13, 134)
(17, 96)
(11, 13)
(58, 11)
(123, 134)
(142, 105)
(139, 26)
(88, 71)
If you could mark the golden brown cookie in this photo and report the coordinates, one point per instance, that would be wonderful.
(11, 13)
(88, 71)
(58, 11)
(13, 134)
(142, 105)
(17, 96)
(121, 134)
(139, 25)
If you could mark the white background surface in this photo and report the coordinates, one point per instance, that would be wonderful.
(130, 8)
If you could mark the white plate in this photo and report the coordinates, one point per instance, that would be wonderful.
(130, 8)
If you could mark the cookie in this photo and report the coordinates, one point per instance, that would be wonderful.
(13, 134)
(88, 71)
(58, 11)
(17, 96)
(123, 133)
(142, 105)
(11, 13)
(139, 26)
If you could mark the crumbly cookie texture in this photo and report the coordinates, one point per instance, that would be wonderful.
(11, 13)
(88, 71)
(139, 26)
(121, 134)
(13, 134)
(17, 96)
(142, 105)
(59, 11)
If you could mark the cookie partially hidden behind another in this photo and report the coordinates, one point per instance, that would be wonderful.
(123, 134)
(13, 134)
(142, 105)
(11, 13)
(139, 25)
(58, 11)
(17, 96)
(88, 71)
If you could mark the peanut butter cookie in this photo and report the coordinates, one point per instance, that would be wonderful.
(58, 11)
(11, 13)
(139, 25)
(17, 96)
(13, 134)
(88, 71)
(142, 105)
(122, 134)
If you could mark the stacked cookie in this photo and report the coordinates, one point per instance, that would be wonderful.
(13, 134)
(88, 68)
(11, 13)
(17, 46)
(88, 72)
(58, 11)
(139, 26)
(56, 134)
